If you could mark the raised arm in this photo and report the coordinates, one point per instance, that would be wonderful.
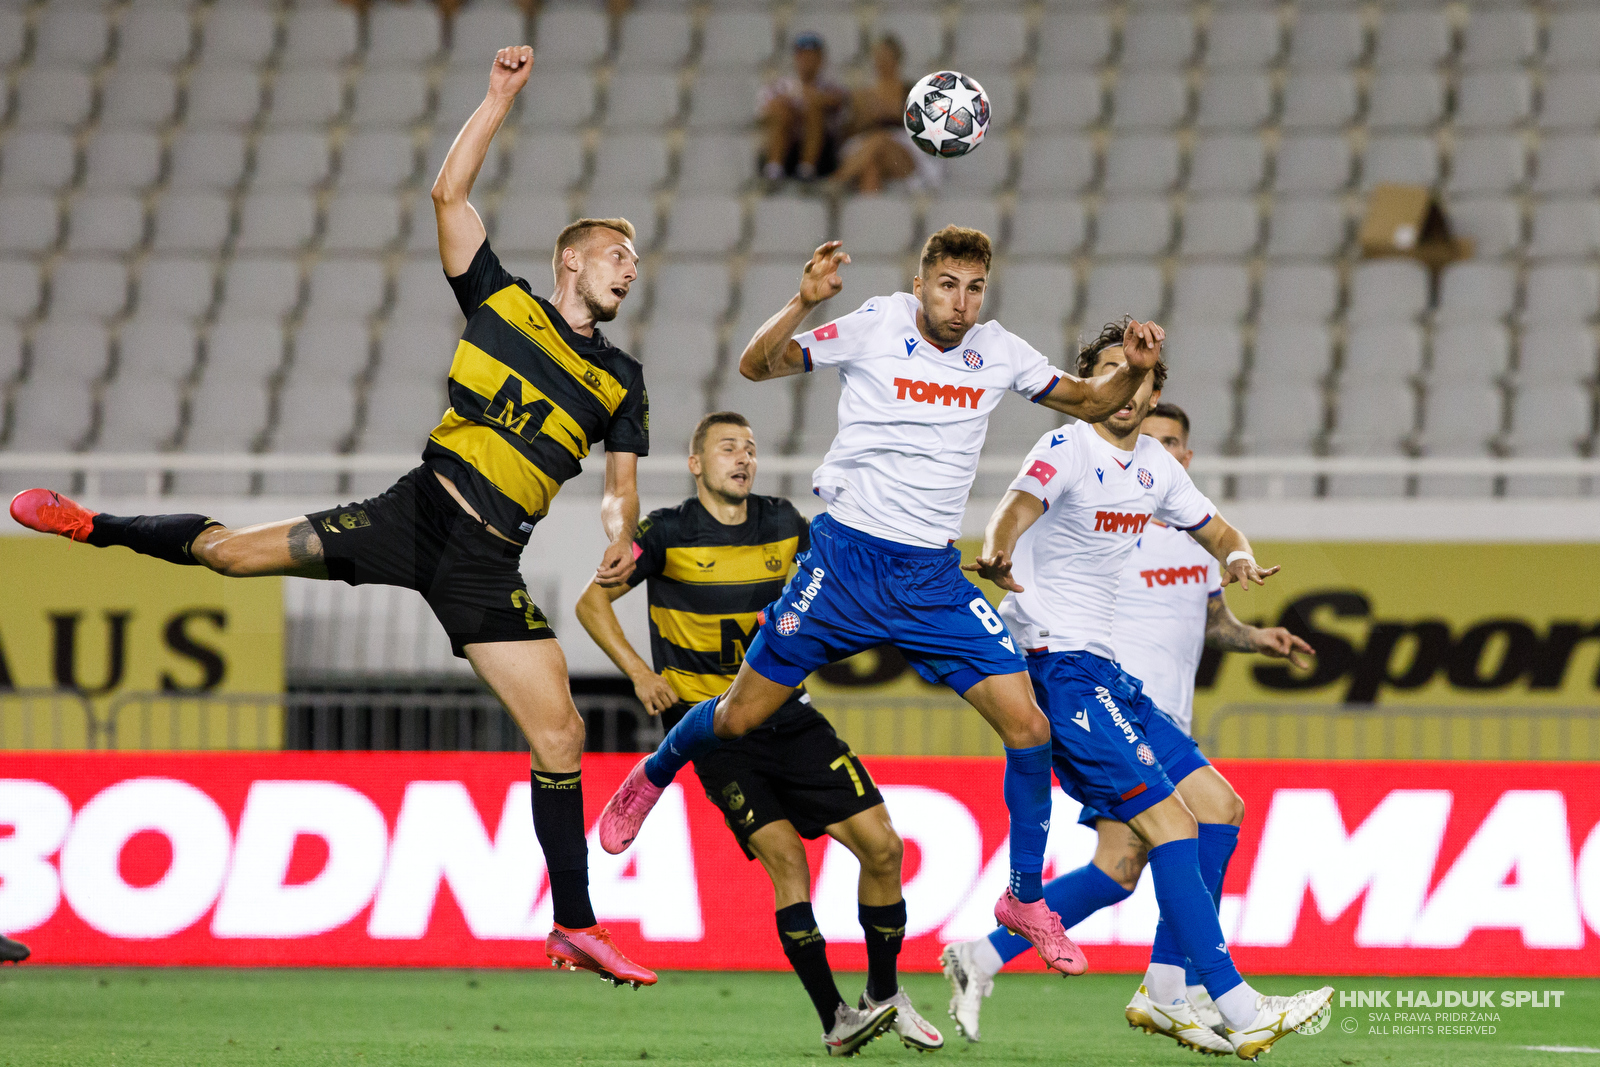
(1096, 399)
(1224, 630)
(1017, 512)
(599, 618)
(1232, 549)
(619, 517)
(773, 352)
(461, 231)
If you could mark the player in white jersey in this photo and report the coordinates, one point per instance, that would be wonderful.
(1169, 608)
(920, 376)
(1058, 542)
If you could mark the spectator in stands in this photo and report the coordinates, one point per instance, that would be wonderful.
(801, 113)
(879, 150)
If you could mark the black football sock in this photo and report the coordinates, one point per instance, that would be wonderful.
(885, 927)
(165, 537)
(558, 823)
(808, 955)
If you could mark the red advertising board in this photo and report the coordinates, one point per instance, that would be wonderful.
(390, 859)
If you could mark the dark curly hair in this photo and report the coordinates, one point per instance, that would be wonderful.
(1111, 337)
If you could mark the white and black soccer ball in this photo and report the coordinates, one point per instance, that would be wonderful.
(947, 114)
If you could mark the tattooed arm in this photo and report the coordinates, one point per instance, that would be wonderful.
(1225, 631)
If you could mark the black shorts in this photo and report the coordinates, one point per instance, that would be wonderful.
(415, 535)
(800, 771)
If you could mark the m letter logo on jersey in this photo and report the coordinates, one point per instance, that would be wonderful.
(961, 396)
(829, 332)
(788, 624)
(911, 345)
(1041, 471)
(1146, 756)
(972, 359)
(1146, 479)
(1056, 439)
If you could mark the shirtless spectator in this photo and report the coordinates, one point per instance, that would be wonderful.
(801, 113)
(878, 149)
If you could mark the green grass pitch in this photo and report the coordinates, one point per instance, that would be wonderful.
(132, 1017)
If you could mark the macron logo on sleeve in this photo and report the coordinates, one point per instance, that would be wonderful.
(1041, 471)
(829, 332)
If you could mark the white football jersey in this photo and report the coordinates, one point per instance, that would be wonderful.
(1098, 501)
(912, 418)
(1160, 627)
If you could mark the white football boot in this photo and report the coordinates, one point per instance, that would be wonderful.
(1177, 1021)
(1205, 1009)
(854, 1027)
(914, 1031)
(1275, 1017)
(969, 984)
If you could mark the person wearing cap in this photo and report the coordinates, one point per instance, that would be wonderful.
(802, 114)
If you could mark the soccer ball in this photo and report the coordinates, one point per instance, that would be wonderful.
(947, 114)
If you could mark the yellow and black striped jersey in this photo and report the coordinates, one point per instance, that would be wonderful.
(708, 583)
(528, 399)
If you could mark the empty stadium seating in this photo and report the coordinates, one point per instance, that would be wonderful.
(216, 213)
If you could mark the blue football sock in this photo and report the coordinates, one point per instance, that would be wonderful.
(689, 740)
(1189, 928)
(1074, 896)
(1027, 793)
(1217, 842)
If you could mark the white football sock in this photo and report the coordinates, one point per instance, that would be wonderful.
(1197, 994)
(1164, 982)
(1238, 1005)
(986, 956)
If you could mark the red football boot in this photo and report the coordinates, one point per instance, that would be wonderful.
(591, 949)
(625, 812)
(48, 511)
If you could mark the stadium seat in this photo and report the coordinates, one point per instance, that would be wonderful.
(1327, 39)
(53, 97)
(523, 222)
(716, 162)
(330, 352)
(226, 416)
(207, 159)
(1371, 419)
(345, 288)
(876, 225)
(1494, 223)
(173, 286)
(376, 161)
(1567, 164)
(1460, 419)
(1243, 38)
(478, 31)
(141, 415)
(1227, 163)
(547, 163)
(39, 161)
(1493, 99)
(192, 222)
(1283, 417)
(1411, 39)
(105, 222)
(1388, 352)
(154, 37)
(122, 159)
(20, 290)
(68, 348)
(405, 36)
(686, 349)
(276, 222)
(1220, 226)
(222, 98)
(1157, 39)
(290, 161)
(1149, 101)
(1476, 292)
(638, 208)
(1319, 100)
(1211, 293)
(155, 347)
(1565, 228)
(416, 349)
(1117, 289)
(239, 36)
(244, 349)
(570, 36)
(1388, 290)
(1234, 101)
(1313, 164)
(1574, 37)
(13, 36)
(389, 97)
(319, 37)
(306, 98)
(1141, 164)
(642, 101)
(1487, 163)
(1074, 40)
(1470, 352)
(993, 36)
(1570, 100)
(737, 40)
(1306, 228)
(1210, 406)
(361, 222)
(1499, 37)
(1072, 100)
(689, 290)
(1044, 227)
(1059, 164)
(1133, 226)
(721, 100)
(1406, 159)
(10, 346)
(1562, 293)
(1041, 291)
(654, 40)
(1298, 293)
(1291, 353)
(1555, 356)
(1549, 421)
(630, 162)
(90, 286)
(921, 32)
(704, 225)
(1405, 100)
(50, 415)
(1014, 428)
(1205, 357)
(1004, 93)
(133, 98)
(819, 408)
(768, 405)
(973, 212)
(265, 286)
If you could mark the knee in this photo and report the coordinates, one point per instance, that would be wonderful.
(559, 738)
(882, 856)
(1232, 809)
(1031, 732)
(733, 719)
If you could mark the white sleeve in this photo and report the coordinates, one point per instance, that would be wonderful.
(842, 340)
(1047, 468)
(1182, 503)
(1035, 376)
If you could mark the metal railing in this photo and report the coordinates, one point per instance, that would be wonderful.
(1275, 469)
(1379, 731)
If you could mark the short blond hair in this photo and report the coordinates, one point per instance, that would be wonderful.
(573, 233)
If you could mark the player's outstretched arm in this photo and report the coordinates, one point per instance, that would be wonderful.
(1097, 399)
(599, 618)
(1017, 512)
(461, 231)
(619, 517)
(1224, 630)
(1231, 547)
(773, 352)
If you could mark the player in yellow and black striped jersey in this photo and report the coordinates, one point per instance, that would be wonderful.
(711, 565)
(533, 386)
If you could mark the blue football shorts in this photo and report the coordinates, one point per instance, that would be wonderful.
(1115, 752)
(853, 592)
